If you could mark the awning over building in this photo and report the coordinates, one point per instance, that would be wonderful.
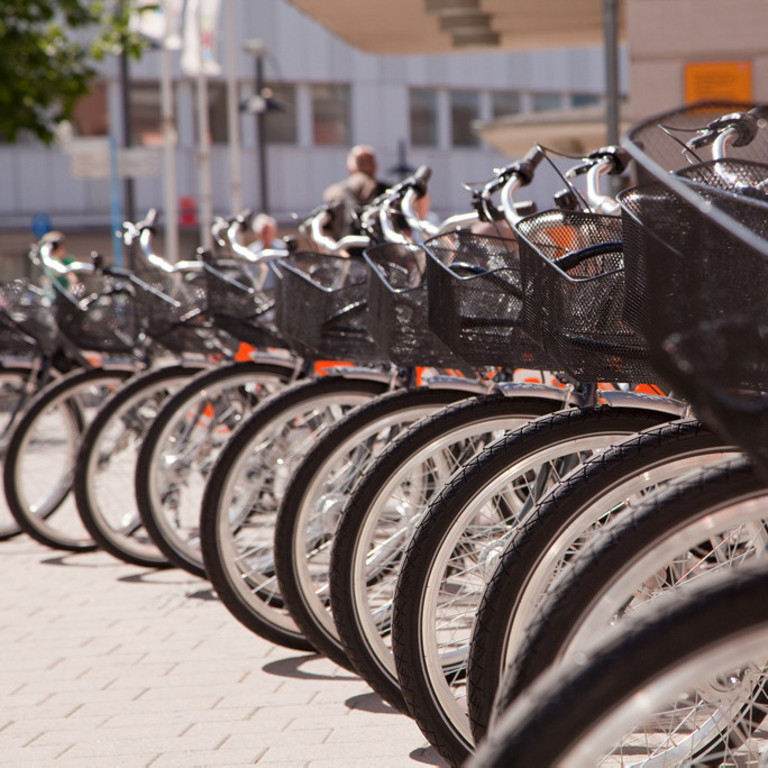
(443, 26)
(573, 131)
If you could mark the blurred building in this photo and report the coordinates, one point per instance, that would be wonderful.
(415, 109)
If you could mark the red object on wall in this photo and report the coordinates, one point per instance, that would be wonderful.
(187, 210)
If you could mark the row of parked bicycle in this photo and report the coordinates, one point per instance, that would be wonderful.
(501, 467)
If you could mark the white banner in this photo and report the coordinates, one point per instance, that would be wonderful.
(200, 38)
(160, 20)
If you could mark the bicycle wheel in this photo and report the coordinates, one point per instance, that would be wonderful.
(382, 511)
(17, 385)
(105, 467)
(40, 461)
(703, 653)
(309, 513)
(560, 526)
(245, 488)
(712, 520)
(181, 445)
(456, 545)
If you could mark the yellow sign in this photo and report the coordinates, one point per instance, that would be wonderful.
(718, 81)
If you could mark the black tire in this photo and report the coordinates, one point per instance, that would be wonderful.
(474, 422)
(302, 410)
(170, 506)
(307, 518)
(107, 457)
(590, 705)
(631, 550)
(500, 486)
(51, 430)
(559, 525)
(17, 386)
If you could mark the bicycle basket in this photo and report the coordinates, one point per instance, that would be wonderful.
(397, 303)
(657, 144)
(172, 312)
(703, 237)
(101, 322)
(322, 304)
(572, 266)
(241, 299)
(27, 325)
(475, 300)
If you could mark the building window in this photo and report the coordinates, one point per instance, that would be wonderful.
(280, 120)
(423, 117)
(544, 102)
(505, 103)
(464, 110)
(585, 99)
(146, 113)
(330, 115)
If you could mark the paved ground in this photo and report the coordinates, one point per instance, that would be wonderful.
(109, 664)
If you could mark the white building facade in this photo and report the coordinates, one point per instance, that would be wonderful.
(413, 109)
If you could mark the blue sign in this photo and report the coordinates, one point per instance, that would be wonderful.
(41, 223)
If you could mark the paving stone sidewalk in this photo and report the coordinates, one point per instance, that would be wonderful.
(106, 665)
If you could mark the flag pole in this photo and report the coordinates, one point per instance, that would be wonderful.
(233, 111)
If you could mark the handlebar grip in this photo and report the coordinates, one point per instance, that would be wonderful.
(525, 167)
(149, 221)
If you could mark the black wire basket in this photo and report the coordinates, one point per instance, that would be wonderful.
(101, 322)
(475, 300)
(322, 307)
(27, 325)
(702, 236)
(241, 299)
(172, 311)
(397, 304)
(572, 266)
(658, 147)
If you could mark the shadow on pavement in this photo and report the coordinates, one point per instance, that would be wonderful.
(292, 668)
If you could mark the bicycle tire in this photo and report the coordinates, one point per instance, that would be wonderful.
(40, 461)
(502, 484)
(307, 517)
(638, 546)
(573, 716)
(558, 527)
(181, 445)
(456, 433)
(298, 413)
(106, 463)
(17, 384)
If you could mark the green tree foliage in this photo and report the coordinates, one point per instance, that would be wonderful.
(48, 51)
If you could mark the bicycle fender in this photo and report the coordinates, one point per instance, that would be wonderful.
(617, 399)
(361, 372)
(444, 381)
(532, 389)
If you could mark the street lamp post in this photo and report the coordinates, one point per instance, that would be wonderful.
(258, 49)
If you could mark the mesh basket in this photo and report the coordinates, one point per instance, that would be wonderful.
(27, 325)
(99, 322)
(702, 235)
(241, 299)
(572, 265)
(397, 303)
(322, 306)
(476, 298)
(173, 313)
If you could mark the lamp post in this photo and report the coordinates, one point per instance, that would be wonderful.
(258, 49)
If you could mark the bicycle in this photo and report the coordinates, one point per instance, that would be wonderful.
(571, 267)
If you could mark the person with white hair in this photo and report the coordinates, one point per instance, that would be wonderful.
(264, 228)
(346, 198)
